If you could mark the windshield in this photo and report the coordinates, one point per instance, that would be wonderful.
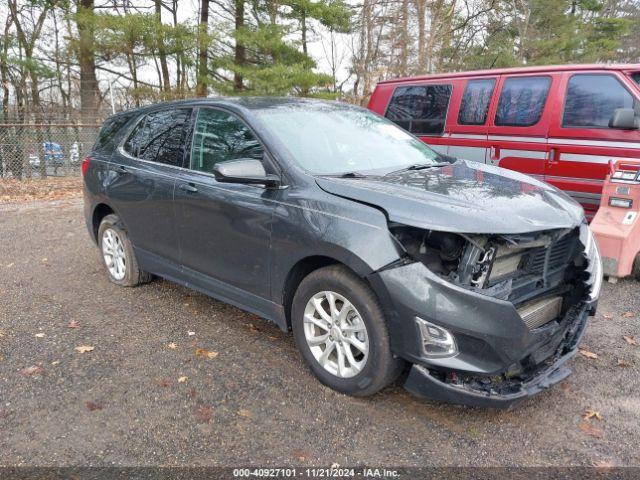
(326, 140)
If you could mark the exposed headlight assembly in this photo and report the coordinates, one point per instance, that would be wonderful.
(594, 268)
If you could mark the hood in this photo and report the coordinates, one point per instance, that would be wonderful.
(464, 197)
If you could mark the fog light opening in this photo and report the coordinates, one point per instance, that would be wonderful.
(436, 341)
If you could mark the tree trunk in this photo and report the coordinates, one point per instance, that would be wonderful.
(240, 52)
(303, 23)
(203, 68)
(86, 60)
(166, 84)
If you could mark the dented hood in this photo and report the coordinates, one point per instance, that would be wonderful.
(464, 197)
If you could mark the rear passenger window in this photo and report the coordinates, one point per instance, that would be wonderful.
(522, 101)
(592, 99)
(636, 77)
(220, 136)
(160, 137)
(420, 109)
(475, 102)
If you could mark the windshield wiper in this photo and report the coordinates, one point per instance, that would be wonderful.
(348, 175)
(419, 166)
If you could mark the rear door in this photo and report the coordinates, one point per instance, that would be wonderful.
(580, 138)
(519, 122)
(467, 126)
(422, 110)
(141, 181)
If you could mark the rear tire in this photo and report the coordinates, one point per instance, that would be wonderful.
(636, 268)
(117, 254)
(354, 331)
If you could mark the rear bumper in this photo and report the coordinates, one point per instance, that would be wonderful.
(422, 383)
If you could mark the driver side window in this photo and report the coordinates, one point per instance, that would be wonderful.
(220, 136)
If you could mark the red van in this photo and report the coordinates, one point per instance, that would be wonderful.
(560, 124)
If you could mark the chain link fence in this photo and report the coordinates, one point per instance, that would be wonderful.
(46, 149)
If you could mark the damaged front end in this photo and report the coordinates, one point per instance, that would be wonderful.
(525, 308)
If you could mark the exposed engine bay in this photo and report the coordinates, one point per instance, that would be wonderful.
(541, 273)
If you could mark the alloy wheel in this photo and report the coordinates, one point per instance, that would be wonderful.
(114, 254)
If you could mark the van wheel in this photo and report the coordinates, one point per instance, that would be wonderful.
(636, 268)
(117, 254)
(340, 330)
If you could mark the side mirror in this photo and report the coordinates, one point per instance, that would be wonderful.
(245, 170)
(624, 119)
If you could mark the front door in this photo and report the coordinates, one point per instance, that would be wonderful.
(581, 141)
(224, 228)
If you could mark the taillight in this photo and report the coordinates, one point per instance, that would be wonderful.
(85, 164)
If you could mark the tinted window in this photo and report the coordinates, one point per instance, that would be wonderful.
(522, 101)
(220, 136)
(592, 99)
(420, 109)
(475, 102)
(110, 129)
(636, 77)
(160, 137)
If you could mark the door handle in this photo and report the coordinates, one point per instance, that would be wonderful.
(122, 169)
(554, 156)
(495, 152)
(188, 187)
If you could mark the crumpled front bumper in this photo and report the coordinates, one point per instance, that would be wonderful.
(422, 383)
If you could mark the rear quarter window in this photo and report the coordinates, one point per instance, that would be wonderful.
(110, 129)
(522, 101)
(420, 109)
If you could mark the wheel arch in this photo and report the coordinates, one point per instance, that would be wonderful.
(100, 211)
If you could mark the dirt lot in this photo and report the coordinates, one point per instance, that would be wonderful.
(176, 378)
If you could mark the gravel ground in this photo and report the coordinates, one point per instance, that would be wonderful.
(125, 403)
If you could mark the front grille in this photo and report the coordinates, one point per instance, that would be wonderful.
(558, 255)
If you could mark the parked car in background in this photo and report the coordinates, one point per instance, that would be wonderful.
(558, 124)
(373, 248)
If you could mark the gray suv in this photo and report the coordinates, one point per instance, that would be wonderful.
(471, 283)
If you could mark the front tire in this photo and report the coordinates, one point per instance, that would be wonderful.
(117, 254)
(340, 330)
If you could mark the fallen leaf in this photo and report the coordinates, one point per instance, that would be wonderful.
(2, 334)
(244, 413)
(204, 413)
(628, 314)
(301, 455)
(630, 339)
(84, 348)
(589, 414)
(172, 346)
(606, 316)
(586, 353)
(73, 324)
(271, 337)
(253, 328)
(191, 333)
(182, 379)
(9, 265)
(31, 370)
(55, 362)
(44, 259)
(93, 406)
(39, 335)
(163, 382)
(623, 363)
(202, 353)
(590, 430)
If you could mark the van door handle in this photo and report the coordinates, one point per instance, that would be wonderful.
(554, 156)
(188, 187)
(495, 152)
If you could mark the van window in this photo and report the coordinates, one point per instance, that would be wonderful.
(592, 99)
(475, 102)
(420, 109)
(160, 137)
(522, 101)
(220, 136)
